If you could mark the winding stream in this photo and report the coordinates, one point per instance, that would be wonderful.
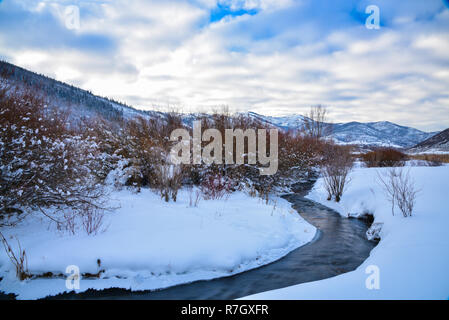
(340, 246)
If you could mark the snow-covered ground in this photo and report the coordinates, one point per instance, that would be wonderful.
(430, 151)
(413, 254)
(151, 244)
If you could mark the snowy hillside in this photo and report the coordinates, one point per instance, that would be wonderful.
(81, 103)
(438, 143)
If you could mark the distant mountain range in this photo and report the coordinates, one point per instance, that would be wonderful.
(382, 133)
(377, 134)
(83, 103)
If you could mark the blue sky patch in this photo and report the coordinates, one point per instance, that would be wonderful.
(222, 11)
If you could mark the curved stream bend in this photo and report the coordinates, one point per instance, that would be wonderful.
(340, 246)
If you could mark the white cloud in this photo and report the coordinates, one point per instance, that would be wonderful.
(256, 4)
(166, 53)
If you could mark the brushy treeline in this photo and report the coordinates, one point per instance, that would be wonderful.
(64, 169)
(391, 157)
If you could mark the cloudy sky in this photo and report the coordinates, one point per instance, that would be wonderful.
(274, 57)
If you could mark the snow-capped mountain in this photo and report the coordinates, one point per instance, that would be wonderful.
(381, 133)
(83, 103)
(285, 122)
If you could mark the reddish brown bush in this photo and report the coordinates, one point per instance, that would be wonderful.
(384, 157)
(145, 145)
(432, 159)
(298, 153)
(215, 186)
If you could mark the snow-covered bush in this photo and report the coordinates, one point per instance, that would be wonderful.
(373, 233)
(109, 141)
(44, 165)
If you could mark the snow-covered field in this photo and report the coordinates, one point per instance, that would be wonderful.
(151, 244)
(413, 254)
(431, 151)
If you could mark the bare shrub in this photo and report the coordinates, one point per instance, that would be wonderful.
(335, 170)
(145, 145)
(68, 223)
(190, 190)
(215, 186)
(194, 197)
(388, 182)
(197, 198)
(87, 218)
(406, 194)
(169, 177)
(274, 207)
(400, 189)
(314, 124)
(92, 220)
(264, 192)
(19, 259)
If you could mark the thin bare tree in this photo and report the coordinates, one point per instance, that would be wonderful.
(388, 182)
(314, 124)
(335, 170)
